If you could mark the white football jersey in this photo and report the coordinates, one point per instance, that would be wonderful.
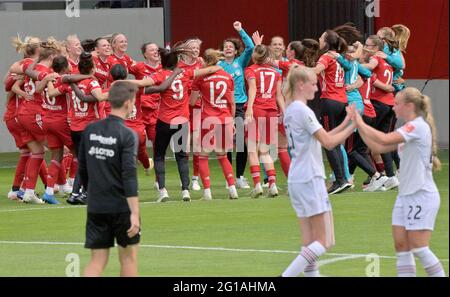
(301, 123)
(416, 158)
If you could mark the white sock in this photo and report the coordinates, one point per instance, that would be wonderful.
(308, 255)
(49, 191)
(406, 264)
(29, 191)
(312, 270)
(429, 261)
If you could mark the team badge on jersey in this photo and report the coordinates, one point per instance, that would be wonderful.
(409, 127)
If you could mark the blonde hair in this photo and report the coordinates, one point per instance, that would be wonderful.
(402, 35)
(114, 37)
(296, 73)
(28, 47)
(212, 57)
(49, 47)
(388, 36)
(422, 105)
(261, 54)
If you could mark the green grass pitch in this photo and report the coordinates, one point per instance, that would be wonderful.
(245, 237)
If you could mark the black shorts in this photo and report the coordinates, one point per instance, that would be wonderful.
(102, 228)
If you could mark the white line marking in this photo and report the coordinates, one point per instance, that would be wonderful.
(342, 258)
(222, 249)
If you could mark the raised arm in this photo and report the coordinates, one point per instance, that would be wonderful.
(74, 78)
(145, 82)
(393, 58)
(165, 84)
(206, 71)
(81, 95)
(244, 58)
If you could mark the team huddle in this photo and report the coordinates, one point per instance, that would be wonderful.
(219, 103)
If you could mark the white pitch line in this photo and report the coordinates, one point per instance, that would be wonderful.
(221, 249)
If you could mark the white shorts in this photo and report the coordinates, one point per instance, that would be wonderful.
(417, 211)
(310, 198)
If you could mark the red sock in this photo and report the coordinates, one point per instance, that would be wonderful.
(272, 176)
(43, 171)
(196, 164)
(62, 174)
(379, 166)
(204, 171)
(67, 160)
(32, 170)
(285, 160)
(53, 173)
(143, 156)
(227, 169)
(73, 168)
(20, 169)
(256, 175)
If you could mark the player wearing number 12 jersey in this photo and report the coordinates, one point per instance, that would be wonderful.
(218, 109)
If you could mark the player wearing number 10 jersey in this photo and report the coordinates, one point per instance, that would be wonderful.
(218, 110)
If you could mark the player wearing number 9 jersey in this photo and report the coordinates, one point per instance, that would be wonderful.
(382, 101)
(264, 94)
(173, 117)
(418, 200)
(334, 100)
(218, 109)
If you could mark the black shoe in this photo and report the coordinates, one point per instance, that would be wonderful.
(336, 188)
(75, 199)
(83, 198)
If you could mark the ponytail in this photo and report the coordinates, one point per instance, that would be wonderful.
(428, 116)
(28, 47)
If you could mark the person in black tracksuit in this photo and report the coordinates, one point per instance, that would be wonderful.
(107, 160)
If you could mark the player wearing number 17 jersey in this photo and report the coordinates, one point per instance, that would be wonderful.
(264, 94)
(218, 109)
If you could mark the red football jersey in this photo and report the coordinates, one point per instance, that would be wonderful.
(197, 65)
(286, 65)
(13, 103)
(58, 106)
(217, 91)
(142, 70)
(34, 106)
(101, 70)
(125, 60)
(364, 90)
(175, 100)
(266, 78)
(331, 80)
(384, 73)
(82, 112)
(73, 67)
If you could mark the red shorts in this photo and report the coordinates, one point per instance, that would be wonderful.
(17, 132)
(217, 136)
(195, 118)
(264, 126)
(149, 118)
(32, 123)
(57, 131)
(281, 125)
(140, 131)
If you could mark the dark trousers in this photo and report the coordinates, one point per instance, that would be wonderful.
(332, 115)
(164, 133)
(386, 123)
(358, 153)
(241, 147)
(76, 139)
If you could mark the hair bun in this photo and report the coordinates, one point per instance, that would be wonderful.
(85, 56)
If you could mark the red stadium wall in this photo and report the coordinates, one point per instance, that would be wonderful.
(212, 20)
(427, 52)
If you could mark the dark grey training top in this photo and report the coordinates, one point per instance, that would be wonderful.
(107, 162)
